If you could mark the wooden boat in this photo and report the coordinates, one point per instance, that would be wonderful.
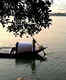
(25, 50)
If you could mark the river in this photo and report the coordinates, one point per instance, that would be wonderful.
(54, 68)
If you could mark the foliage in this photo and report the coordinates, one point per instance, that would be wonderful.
(29, 16)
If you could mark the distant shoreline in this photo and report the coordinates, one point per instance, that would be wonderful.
(58, 14)
(5, 47)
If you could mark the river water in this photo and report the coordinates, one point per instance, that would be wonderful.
(54, 68)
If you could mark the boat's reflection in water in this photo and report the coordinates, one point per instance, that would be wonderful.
(31, 63)
(27, 67)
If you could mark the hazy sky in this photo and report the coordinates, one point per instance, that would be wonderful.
(59, 6)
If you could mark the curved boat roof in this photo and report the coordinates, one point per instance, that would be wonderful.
(25, 43)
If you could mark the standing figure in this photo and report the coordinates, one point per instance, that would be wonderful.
(34, 41)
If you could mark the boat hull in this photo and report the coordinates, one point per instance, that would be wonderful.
(24, 55)
(27, 55)
(31, 55)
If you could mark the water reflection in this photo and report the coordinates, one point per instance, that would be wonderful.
(30, 63)
(28, 69)
(33, 66)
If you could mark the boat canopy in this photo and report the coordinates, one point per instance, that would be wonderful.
(24, 47)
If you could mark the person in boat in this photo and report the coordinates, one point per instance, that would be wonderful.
(40, 46)
(33, 42)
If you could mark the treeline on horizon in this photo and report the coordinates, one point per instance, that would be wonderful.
(58, 14)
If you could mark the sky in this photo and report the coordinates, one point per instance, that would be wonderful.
(59, 6)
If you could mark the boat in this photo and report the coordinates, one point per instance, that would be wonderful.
(25, 50)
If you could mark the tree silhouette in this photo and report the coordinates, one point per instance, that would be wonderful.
(29, 16)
